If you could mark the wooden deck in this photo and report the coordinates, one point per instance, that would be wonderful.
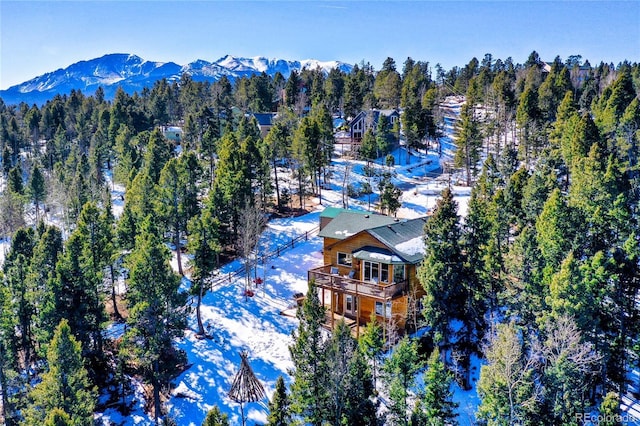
(345, 285)
(356, 330)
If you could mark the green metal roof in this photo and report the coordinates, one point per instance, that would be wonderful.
(332, 212)
(404, 237)
(348, 223)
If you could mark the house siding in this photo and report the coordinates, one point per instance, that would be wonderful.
(366, 304)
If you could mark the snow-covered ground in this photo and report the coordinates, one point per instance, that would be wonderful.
(236, 324)
(256, 325)
(5, 244)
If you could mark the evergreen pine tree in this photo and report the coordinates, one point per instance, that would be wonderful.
(216, 418)
(368, 148)
(158, 152)
(389, 196)
(65, 385)
(41, 271)
(14, 183)
(204, 247)
(155, 314)
(140, 199)
(8, 355)
(441, 271)
(387, 85)
(309, 393)
(72, 294)
(384, 136)
(435, 404)
(97, 251)
(126, 229)
(16, 270)
(468, 142)
(340, 350)
(58, 417)
(553, 230)
(417, 121)
(170, 205)
(528, 119)
(399, 371)
(610, 410)
(37, 189)
(6, 161)
(231, 189)
(279, 406)
(371, 344)
(127, 158)
(360, 407)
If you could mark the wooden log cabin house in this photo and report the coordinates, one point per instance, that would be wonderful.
(370, 265)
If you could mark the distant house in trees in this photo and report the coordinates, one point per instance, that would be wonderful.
(366, 120)
(579, 73)
(265, 121)
(172, 133)
(370, 264)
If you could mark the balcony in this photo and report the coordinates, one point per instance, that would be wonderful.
(342, 284)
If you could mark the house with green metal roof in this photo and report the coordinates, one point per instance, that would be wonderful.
(370, 264)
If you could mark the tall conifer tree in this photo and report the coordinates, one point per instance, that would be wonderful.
(441, 271)
(156, 316)
(65, 385)
(309, 395)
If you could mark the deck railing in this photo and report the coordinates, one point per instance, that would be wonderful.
(384, 291)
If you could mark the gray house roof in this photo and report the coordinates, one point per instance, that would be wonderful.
(375, 115)
(403, 238)
(264, 118)
(348, 223)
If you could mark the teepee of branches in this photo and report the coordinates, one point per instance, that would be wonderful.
(246, 387)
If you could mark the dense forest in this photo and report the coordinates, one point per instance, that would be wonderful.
(540, 279)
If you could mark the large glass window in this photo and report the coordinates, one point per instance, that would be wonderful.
(375, 272)
(398, 273)
(383, 310)
(344, 259)
(370, 271)
(384, 272)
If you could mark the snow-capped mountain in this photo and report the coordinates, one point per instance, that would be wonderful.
(133, 73)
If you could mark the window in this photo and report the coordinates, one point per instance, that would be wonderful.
(383, 310)
(384, 272)
(375, 272)
(344, 259)
(370, 271)
(398, 273)
(351, 304)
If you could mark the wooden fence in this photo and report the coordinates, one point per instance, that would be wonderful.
(262, 258)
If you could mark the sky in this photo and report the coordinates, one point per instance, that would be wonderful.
(42, 36)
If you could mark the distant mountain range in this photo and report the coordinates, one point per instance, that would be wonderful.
(133, 73)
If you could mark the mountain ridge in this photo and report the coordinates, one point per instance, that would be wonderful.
(133, 73)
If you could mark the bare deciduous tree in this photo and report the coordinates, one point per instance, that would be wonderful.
(11, 213)
(507, 386)
(252, 221)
